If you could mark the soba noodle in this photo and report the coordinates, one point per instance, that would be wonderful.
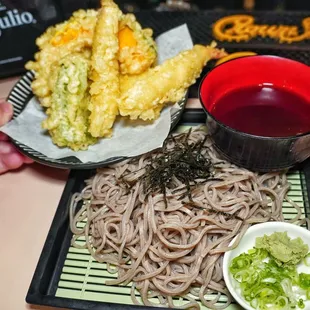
(174, 249)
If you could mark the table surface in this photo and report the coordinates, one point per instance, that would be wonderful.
(28, 200)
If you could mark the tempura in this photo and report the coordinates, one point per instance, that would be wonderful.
(137, 47)
(104, 89)
(67, 120)
(102, 63)
(72, 36)
(145, 96)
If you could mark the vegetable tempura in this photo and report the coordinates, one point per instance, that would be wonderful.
(68, 115)
(104, 74)
(137, 47)
(72, 36)
(144, 96)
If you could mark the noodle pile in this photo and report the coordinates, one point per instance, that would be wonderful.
(174, 248)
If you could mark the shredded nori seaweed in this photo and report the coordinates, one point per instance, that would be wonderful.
(185, 162)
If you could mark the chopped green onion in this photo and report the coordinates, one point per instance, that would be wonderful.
(304, 281)
(307, 260)
(301, 304)
(267, 285)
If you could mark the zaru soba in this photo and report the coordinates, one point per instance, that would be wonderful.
(165, 219)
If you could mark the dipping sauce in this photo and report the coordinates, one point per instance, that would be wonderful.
(264, 110)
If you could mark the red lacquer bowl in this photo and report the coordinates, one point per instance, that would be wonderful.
(259, 153)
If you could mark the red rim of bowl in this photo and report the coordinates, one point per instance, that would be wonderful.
(238, 131)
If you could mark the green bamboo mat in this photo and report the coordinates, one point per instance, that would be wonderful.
(83, 278)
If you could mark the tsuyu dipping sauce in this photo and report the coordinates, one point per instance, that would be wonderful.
(258, 111)
(264, 110)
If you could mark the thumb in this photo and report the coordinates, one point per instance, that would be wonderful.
(6, 113)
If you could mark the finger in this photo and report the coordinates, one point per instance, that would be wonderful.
(10, 162)
(28, 160)
(13, 160)
(3, 136)
(6, 113)
(6, 148)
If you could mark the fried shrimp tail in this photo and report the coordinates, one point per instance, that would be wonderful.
(104, 74)
(144, 96)
(67, 120)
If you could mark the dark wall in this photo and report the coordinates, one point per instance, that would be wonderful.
(69, 6)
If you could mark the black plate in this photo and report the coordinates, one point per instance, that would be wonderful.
(19, 97)
(45, 281)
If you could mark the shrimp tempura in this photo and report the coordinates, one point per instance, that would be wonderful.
(104, 89)
(145, 96)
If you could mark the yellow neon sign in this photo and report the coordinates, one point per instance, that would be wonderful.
(243, 28)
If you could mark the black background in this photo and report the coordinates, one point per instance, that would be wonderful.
(20, 41)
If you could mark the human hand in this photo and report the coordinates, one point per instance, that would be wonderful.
(10, 158)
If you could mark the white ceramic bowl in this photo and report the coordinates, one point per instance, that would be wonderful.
(248, 242)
